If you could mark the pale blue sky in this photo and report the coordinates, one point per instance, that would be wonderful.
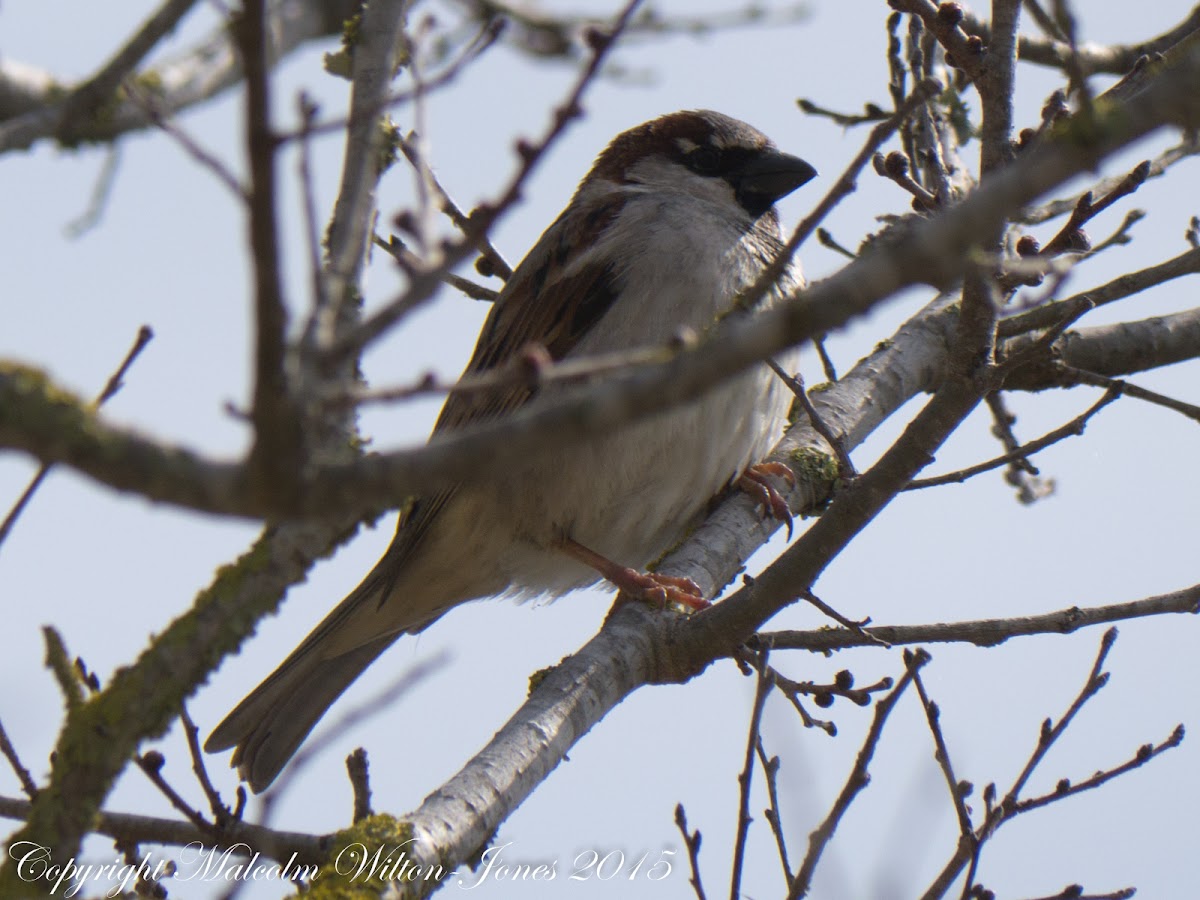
(107, 570)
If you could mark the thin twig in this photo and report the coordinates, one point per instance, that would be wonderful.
(1044, 21)
(843, 187)
(762, 688)
(1076, 892)
(796, 384)
(221, 813)
(966, 831)
(28, 785)
(1022, 474)
(101, 191)
(772, 813)
(793, 689)
(691, 840)
(410, 262)
(1073, 428)
(241, 840)
(963, 51)
(496, 263)
(1076, 77)
(859, 626)
(1138, 393)
(1187, 263)
(1071, 238)
(827, 365)
(208, 160)
(358, 768)
(1051, 732)
(998, 814)
(111, 387)
(485, 216)
(984, 632)
(824, 694)
(320, 303)
(871, 113)
(858, 779)
(1067, 788)
(151, 764)
(417, 141)
(484, 39)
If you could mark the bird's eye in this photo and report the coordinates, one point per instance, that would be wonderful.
(704, 160)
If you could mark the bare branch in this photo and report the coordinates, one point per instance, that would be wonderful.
(69, 118)
(957, 789)
(485, 216)
(1091, 59)
(375, 58)
(691, 840)
(857, 780)
(359, 771)
(986, 632)
(239, 839)
(762, 687)
(28, 785)
(772, 813)
(278, 453)
(495, 262)
(1074, 428)
(1119, 288)
(208, 69)
(937, 251)
(112, 386)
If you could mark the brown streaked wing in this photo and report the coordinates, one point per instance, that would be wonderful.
(524, 315)
(521, 316)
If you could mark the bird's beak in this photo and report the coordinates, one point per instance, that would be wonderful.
(770, 176)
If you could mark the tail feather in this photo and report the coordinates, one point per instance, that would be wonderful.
(269, 725)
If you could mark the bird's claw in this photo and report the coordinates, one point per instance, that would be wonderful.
(662, 590)
(754, 481)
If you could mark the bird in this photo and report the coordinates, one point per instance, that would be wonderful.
(675, 220)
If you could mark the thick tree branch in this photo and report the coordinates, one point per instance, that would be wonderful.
(103, 731)
(278, 452)
(376, 56)
(1127, 285)
(1110, 350)
(485, 216)
(1117, 59)
(40, 421)
(28, 97)
(70, 117)
(240, 838)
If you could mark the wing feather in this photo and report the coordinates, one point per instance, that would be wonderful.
(544, 304)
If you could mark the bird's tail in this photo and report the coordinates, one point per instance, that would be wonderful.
(270, 724)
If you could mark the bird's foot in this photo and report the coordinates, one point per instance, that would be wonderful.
(649, 587)
(754, 481)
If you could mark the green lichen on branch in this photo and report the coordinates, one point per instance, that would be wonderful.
(341, 63)
(815, 468)
(142, 700)
(389, 146)
(56, 426)
(373, 856)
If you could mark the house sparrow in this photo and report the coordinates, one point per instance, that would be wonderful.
(675, 219)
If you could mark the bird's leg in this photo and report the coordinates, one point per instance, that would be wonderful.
(648, 586)
(754, 482)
